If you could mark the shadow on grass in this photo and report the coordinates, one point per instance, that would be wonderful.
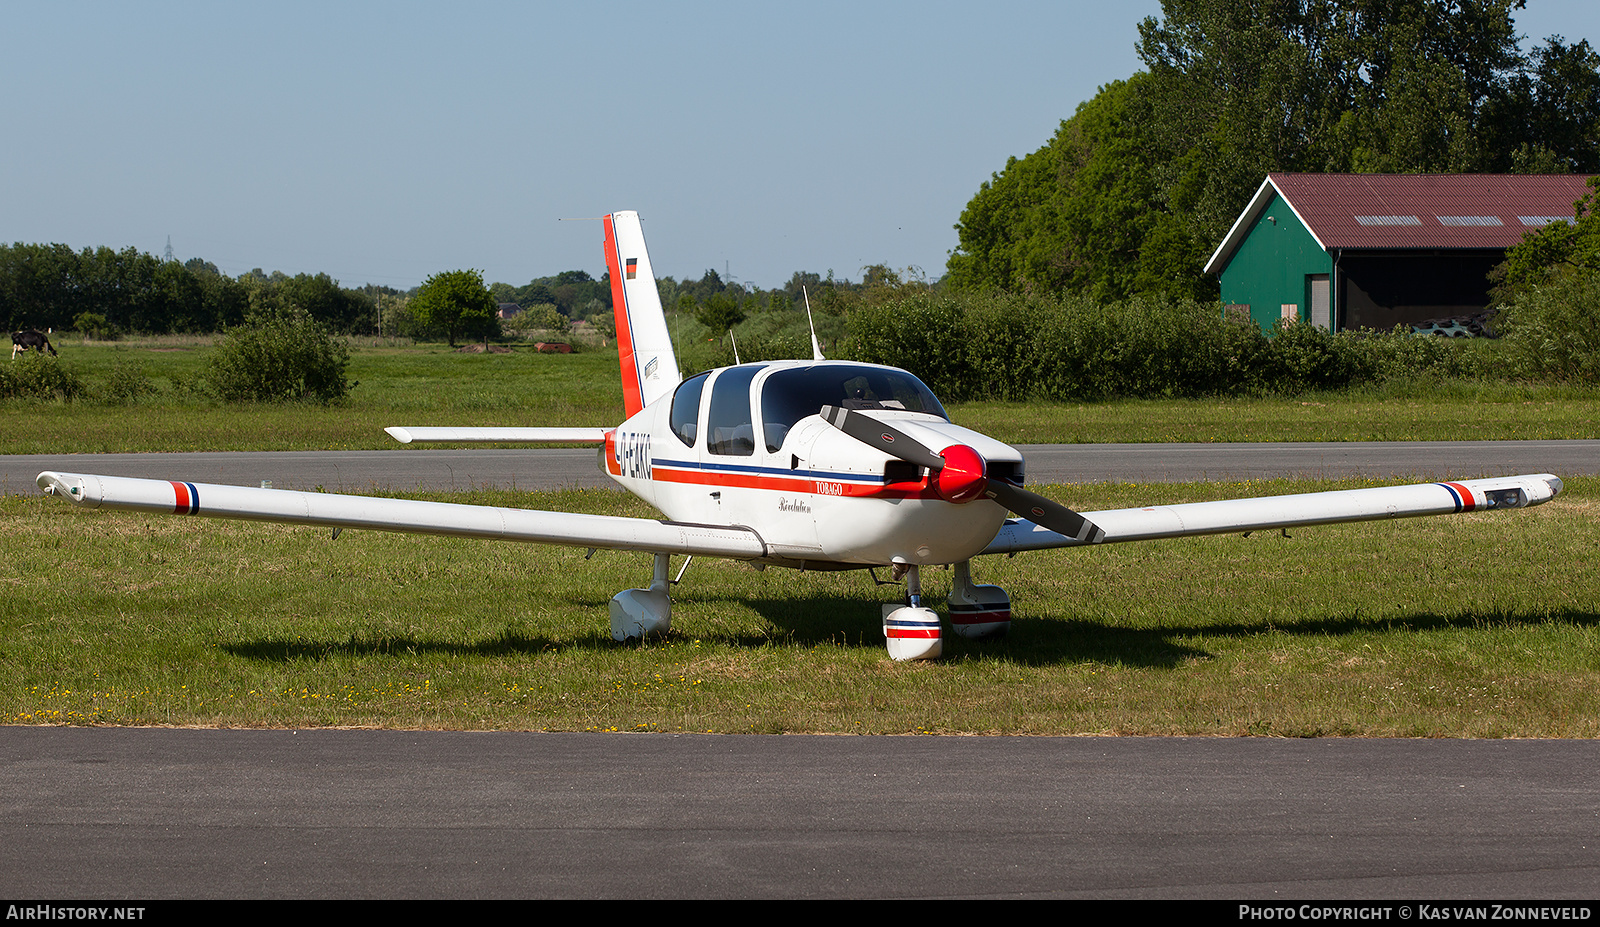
(1046, 642)
(507, 643)
(845, 621)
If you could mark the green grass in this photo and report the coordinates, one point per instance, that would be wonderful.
(1481, 625)
(1465, 412)
(431, 385)
(412, 385)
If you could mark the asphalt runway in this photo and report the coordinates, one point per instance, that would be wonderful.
(151, 814)
(155, 813)
(558, 468)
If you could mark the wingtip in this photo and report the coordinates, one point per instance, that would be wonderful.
(67, 485)
(399, 434)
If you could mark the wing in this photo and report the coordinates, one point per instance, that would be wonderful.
(341, 511)
(500, 435)
(1320, 508)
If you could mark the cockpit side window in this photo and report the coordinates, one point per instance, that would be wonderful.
(730, 428)
(686, 408)
(790, 395)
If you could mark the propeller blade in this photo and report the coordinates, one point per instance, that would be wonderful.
(1044, 512)
(876, 434)
(1022, 502)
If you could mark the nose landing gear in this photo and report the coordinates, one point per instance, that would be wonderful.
(977, 612)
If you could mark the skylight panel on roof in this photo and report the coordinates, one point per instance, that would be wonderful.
(1469, 220)
(1388, 220)
(1540, 221)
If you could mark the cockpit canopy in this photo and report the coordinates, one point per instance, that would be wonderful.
(789, 394)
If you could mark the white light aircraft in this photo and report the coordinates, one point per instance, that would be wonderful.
(815, 465)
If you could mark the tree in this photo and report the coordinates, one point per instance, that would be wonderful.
(1557, 251)
(720, 313)
(1082, 214)
(455, 302)
(1144, 180)
(1550, 122)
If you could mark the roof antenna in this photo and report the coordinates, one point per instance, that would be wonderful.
(735, 347)
(816, 349)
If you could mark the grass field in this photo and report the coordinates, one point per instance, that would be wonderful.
(431, 385)
(1480, 625)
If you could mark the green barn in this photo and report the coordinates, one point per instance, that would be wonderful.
(1346, 251)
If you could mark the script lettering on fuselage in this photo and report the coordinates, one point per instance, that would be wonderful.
(632, 450)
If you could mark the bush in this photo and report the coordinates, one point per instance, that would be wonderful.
(1017, 348)
(1300, 357)
(281, 357)
(1552, 332)
(1401, 355)
(126, 383)
(38, 376)
(542, 317)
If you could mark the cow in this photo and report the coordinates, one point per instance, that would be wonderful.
(32, 339)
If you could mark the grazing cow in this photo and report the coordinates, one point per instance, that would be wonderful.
(32, 339)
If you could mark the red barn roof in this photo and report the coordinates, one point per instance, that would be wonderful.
(1413, 210)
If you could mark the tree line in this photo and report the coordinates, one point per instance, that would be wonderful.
(102, 292)
(1137, 188)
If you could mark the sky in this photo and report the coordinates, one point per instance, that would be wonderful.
(385, 142)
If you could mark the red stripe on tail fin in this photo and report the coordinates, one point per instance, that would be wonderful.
(632, 394)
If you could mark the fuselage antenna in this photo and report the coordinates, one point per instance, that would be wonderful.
(816, 349)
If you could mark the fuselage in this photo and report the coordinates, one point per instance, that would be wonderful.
(744, 446)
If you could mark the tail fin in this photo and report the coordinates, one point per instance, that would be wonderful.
(649, 368)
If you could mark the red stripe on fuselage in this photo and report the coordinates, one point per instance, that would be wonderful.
(668, 474)
(632, 389)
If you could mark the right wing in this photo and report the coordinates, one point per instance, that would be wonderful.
(500, 435)
(1267, 512)
(610, 532)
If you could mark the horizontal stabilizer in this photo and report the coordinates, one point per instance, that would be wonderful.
(498, 435)
(1269, 512)
(608, 532)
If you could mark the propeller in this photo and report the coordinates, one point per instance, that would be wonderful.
(960, 475)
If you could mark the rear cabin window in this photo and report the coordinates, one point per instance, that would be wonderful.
(686, 408)
(730, 429)
(790, 395)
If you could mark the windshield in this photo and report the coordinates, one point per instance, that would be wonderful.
(790, 395)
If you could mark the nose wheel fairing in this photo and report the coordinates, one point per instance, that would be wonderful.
(977, 612)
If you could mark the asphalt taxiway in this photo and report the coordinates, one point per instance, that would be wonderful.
(560, 468)
(156, 813)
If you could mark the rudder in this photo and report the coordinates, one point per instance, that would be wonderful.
(644, 347)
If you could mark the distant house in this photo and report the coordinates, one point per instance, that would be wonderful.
(509, 310)
(1346, 251)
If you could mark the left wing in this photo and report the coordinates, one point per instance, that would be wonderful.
(340, 511)
(1267, 512)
